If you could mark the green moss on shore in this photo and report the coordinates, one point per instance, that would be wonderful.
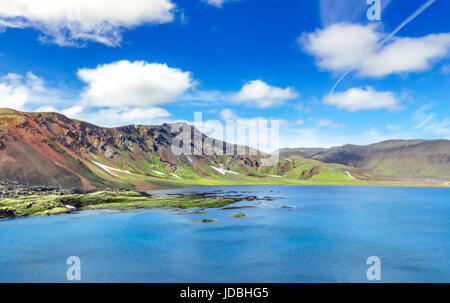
(123, 200)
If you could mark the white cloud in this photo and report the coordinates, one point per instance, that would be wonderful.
(68, 22)
(116, 94)
(342, 47)
(228, 114)
(72, 111)
(299, 122)
(46, 109)
(421, 116)
(367, 98)
(139, 84)
(428, 124)
(113, 117)
(17, 91)
(13, 96)
(328, 123)
(407, 55)
(426, 121)
(260, 94)
(254, 93)
(440, 129)
(217, 3)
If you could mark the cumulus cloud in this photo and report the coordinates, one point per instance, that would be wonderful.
(407, 55)
(139, 84)
(18, 91)
(115, 94)
(342, 47)
(367, 98)
(69, 22)
(260, 94)
(125, 92)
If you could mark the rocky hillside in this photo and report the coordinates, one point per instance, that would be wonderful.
(51, 149)
(396, 158)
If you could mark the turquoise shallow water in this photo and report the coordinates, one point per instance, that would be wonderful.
(326, 237)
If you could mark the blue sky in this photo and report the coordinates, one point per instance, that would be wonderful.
(149, 62)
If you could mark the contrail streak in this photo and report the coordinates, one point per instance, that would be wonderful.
(409, 19)
(389, 37)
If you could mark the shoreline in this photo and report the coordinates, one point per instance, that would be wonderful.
(48, 205)
(369, 184)
(59, 203)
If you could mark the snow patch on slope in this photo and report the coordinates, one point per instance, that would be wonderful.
(109, 169)
(219, 170)
(224, 171)
(159, 173)
(348, 174)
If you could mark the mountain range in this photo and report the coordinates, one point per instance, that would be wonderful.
(394, 158)
(49, 149)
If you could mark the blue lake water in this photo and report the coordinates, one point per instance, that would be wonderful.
(326, 237)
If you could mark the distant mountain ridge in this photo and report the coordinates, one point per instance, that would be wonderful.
(303, 152)
(394, 158)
